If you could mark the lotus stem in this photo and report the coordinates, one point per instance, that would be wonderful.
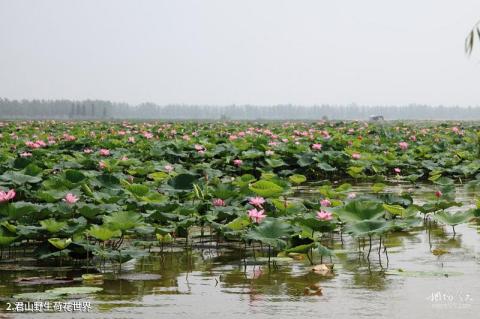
(370, 246)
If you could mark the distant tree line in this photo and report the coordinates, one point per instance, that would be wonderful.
(103, 110)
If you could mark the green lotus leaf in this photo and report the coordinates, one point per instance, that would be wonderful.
(361, 209)
(74, 176)
(239, 223)
(19, 178)
(60, 243)
(40, 296)
(271, 232)
(123, 220)
(183, 181)
(297, 179)
(266, 188)
(80, 290)
(53, 226)
(453, 219)
(103, 233)
(138, 189)
(368, 227)
(378, 187)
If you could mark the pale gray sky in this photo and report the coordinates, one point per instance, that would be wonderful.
(244, 51)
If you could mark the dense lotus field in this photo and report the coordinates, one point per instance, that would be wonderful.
(98, 192)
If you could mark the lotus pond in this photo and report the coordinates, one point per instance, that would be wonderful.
(335, 219)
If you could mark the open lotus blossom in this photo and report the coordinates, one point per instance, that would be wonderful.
(269, 153)
(218, 202)
(169, 168)
(88, 151)
(26, 154)
(256, 215)
(37, 144)
(237, 162)
(351, 195)
(316, 147)
(403, 146)
(397, 170)
(131, 139)
(147, 135)
(356, 156)
(438, 194)
(6, 196)
(104, 152)
(256, 201)
(70, 198)
(324, 215)
(455, 129)
(325, 203)
(124, 158)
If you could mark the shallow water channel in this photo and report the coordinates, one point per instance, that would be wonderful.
(218, 283)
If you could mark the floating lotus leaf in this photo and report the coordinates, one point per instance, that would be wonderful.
(80, 290)
(40, 296)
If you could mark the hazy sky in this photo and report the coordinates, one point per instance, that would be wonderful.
(245, 51)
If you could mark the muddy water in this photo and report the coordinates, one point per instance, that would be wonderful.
(219, 283)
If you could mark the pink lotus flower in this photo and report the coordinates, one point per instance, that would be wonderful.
(317, 147)
(6, 196)
(131, 139)
(403, 146)
(70, 198)
(455, 129)
(41, 143)
(269, 153)
(438, 194)
(256, 201)
(26, 154)
(69, 137)
(102, 165)
(218, 202)
(199, 148)
(397, 170)
(124, 158)
(237, 162)
(323, 215)
(413, 138)
(147, 135)
(325, 203)
(88, 151)
(256, 215)
(356, 156)
(104, 152)
(351, 195)
(169, 168)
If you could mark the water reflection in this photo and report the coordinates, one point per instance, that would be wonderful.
(395, 281)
